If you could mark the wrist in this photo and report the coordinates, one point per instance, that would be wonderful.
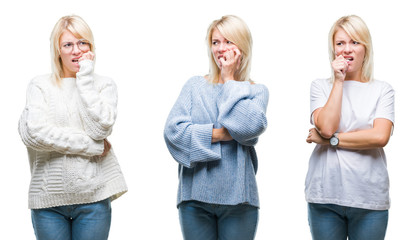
(216, 135)
(338, 80)
(334, 140)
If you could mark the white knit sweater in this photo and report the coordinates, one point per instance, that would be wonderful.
(63, 128)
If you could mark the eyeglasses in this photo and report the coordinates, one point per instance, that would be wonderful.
(82, 44)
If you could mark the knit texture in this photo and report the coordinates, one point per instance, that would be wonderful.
(63, 128)
(222, 172)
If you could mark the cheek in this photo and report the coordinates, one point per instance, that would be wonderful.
(234, 47)
(65, 58)
(338, 50)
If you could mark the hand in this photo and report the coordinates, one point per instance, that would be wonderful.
(340, 67)
(315, 137)
(87, 56)
(230, 63)
(107, 147)
(220, 134)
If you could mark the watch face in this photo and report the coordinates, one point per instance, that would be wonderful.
(334, 141)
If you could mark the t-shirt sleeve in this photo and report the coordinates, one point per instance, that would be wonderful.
(385, 105)
(318, 97)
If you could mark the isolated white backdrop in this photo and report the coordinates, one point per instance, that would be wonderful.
(150, 49)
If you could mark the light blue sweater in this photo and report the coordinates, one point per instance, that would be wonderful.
(222, 172)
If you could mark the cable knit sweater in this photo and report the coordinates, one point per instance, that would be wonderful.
(221, 172)
(63, 127)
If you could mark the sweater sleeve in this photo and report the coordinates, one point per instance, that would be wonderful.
(188, 142)
(38, 132)
(98, 102)
(242, 110)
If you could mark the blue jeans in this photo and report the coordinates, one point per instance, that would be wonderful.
(73, 222)
(329, 221)
(211, 221)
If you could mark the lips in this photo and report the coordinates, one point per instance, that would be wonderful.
(75, 59)
(349, 58)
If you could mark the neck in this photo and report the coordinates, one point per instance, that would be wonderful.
(357, 76)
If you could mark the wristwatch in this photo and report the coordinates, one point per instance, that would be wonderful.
(334, 140)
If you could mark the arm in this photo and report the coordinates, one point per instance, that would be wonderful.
(220, 134)
(189, 143)
(41, 134)
(242, 111)
(327, 118)
(98, 102)
(376, 137)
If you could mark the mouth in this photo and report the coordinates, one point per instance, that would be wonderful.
(349, 58)
(76, 60)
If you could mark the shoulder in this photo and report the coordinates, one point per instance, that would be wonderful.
(259, 87)
(381, 86)
(322, 82)
(42, 79)
(195, 82)
(323, 85)
(381, 83)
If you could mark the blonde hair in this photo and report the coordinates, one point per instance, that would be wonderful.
(79, 28)
(357, 29)
(235, 30)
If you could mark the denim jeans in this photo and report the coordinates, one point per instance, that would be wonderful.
(73, 222)
(211, 221)
(329, 221)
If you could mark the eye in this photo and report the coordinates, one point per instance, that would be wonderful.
(82, 43)
(68, 45)
(339, 44)
(355, 42)
(229, 42)
(214, 42)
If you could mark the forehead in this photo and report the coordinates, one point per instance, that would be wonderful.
(67, 36)
(216, 34)
(341, 35)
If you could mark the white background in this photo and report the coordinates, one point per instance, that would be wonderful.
(150, 49)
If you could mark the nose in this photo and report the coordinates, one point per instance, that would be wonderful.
(348, 48)
(76, 49)
(222, 47)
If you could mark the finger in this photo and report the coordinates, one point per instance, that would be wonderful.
(237, 53)
(338, 54)
(227, 56)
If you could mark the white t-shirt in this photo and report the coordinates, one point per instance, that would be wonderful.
(353, 178)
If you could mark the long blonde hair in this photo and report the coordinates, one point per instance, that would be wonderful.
(357, 29)
(79, 28)
(235, 30)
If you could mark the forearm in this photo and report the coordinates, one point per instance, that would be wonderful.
(363, 139)
(220, 134)
(375, 137)
(52, 139)
(242, 110)
(327, 119)
(98, 102)
(38, 131)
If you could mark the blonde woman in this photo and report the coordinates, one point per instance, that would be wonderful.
(347, 185)
(211, 132)
(68, 116)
